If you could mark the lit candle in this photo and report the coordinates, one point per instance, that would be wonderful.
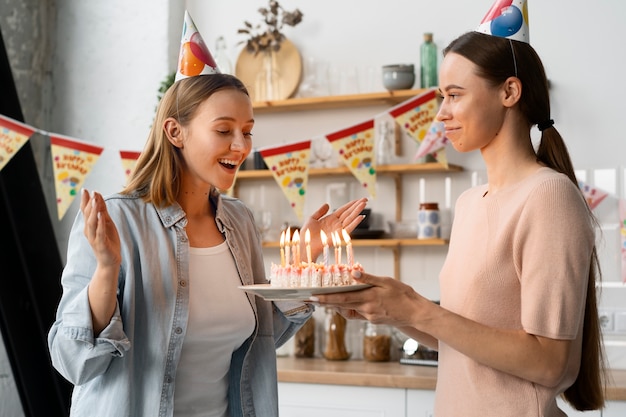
(349, 254)
(282, 248)
(296, 248)
(307, 240)
(288, 246)
(337, 244)
(324, 239)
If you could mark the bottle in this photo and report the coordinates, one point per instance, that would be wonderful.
(384, 146)
(335, 349)
(376, 343)
(428, 62)
(221, 56)
(428, 221)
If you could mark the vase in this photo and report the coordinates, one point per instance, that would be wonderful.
(267, 85)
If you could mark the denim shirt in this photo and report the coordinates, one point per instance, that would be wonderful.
(129, 368)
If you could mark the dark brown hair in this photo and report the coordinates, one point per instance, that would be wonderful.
(157, 174)
(498, 59)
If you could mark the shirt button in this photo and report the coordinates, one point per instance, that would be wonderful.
(168, 379)
(178, 330)
(183, 238)
(168, 219)
(183, 283)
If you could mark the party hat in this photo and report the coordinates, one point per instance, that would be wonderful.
(506, 19)
(194, 57)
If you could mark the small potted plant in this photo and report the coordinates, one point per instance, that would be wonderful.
(266, 38)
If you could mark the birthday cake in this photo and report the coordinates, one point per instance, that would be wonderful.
(294, 273)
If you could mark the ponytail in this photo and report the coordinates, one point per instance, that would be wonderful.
(587, 392)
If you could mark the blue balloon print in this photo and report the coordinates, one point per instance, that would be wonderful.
(508, 23)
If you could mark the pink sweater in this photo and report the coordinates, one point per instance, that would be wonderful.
(518, 259)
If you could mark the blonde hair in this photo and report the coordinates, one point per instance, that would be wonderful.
(157, 174)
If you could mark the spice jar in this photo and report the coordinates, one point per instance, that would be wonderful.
(428, 221)
(335, 327)
(305, 340)
(376, 343)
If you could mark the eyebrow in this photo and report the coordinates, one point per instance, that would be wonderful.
(450, 87)
(230, 119)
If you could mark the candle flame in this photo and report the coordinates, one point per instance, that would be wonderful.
(282, 239)
(296, 237)
(336, 239)
(288, 236)
(307, 236)
(346, 236)
(324, 238)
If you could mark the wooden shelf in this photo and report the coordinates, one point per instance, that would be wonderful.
(381, 243)
(388, 98)
(426, 167)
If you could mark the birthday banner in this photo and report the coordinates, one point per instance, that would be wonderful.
(72, 161)
(355, 146)
(289, 165)
(13, 135)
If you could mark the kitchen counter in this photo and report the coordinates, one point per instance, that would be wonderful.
(388, 375)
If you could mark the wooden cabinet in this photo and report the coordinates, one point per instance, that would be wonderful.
(317, 175)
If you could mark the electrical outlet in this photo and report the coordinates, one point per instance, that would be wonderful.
(607, 322)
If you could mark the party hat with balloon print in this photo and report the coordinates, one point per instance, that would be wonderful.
(194, 57)
(507, 19)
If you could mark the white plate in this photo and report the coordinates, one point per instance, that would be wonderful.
(303, 293)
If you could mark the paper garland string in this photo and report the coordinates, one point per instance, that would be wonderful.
(355, 146)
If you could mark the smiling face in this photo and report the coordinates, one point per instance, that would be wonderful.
(216, 141)
(472, 110)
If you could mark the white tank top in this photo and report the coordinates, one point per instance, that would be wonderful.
(220, 320)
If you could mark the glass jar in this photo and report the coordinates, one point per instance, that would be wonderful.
(305, 340)
(377, 343)
(335, 329)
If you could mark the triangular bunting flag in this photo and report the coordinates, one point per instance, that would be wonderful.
(355, 146)
(13, 135)
(434, 143)
(594, 196)
(129, 160)
(289, 165)
(72, 161)
(416, 115)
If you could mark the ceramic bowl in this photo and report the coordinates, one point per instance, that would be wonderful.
(398, 77)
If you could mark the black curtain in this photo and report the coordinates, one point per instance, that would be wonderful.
(30, 271)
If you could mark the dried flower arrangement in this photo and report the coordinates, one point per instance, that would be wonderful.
(269, 37)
